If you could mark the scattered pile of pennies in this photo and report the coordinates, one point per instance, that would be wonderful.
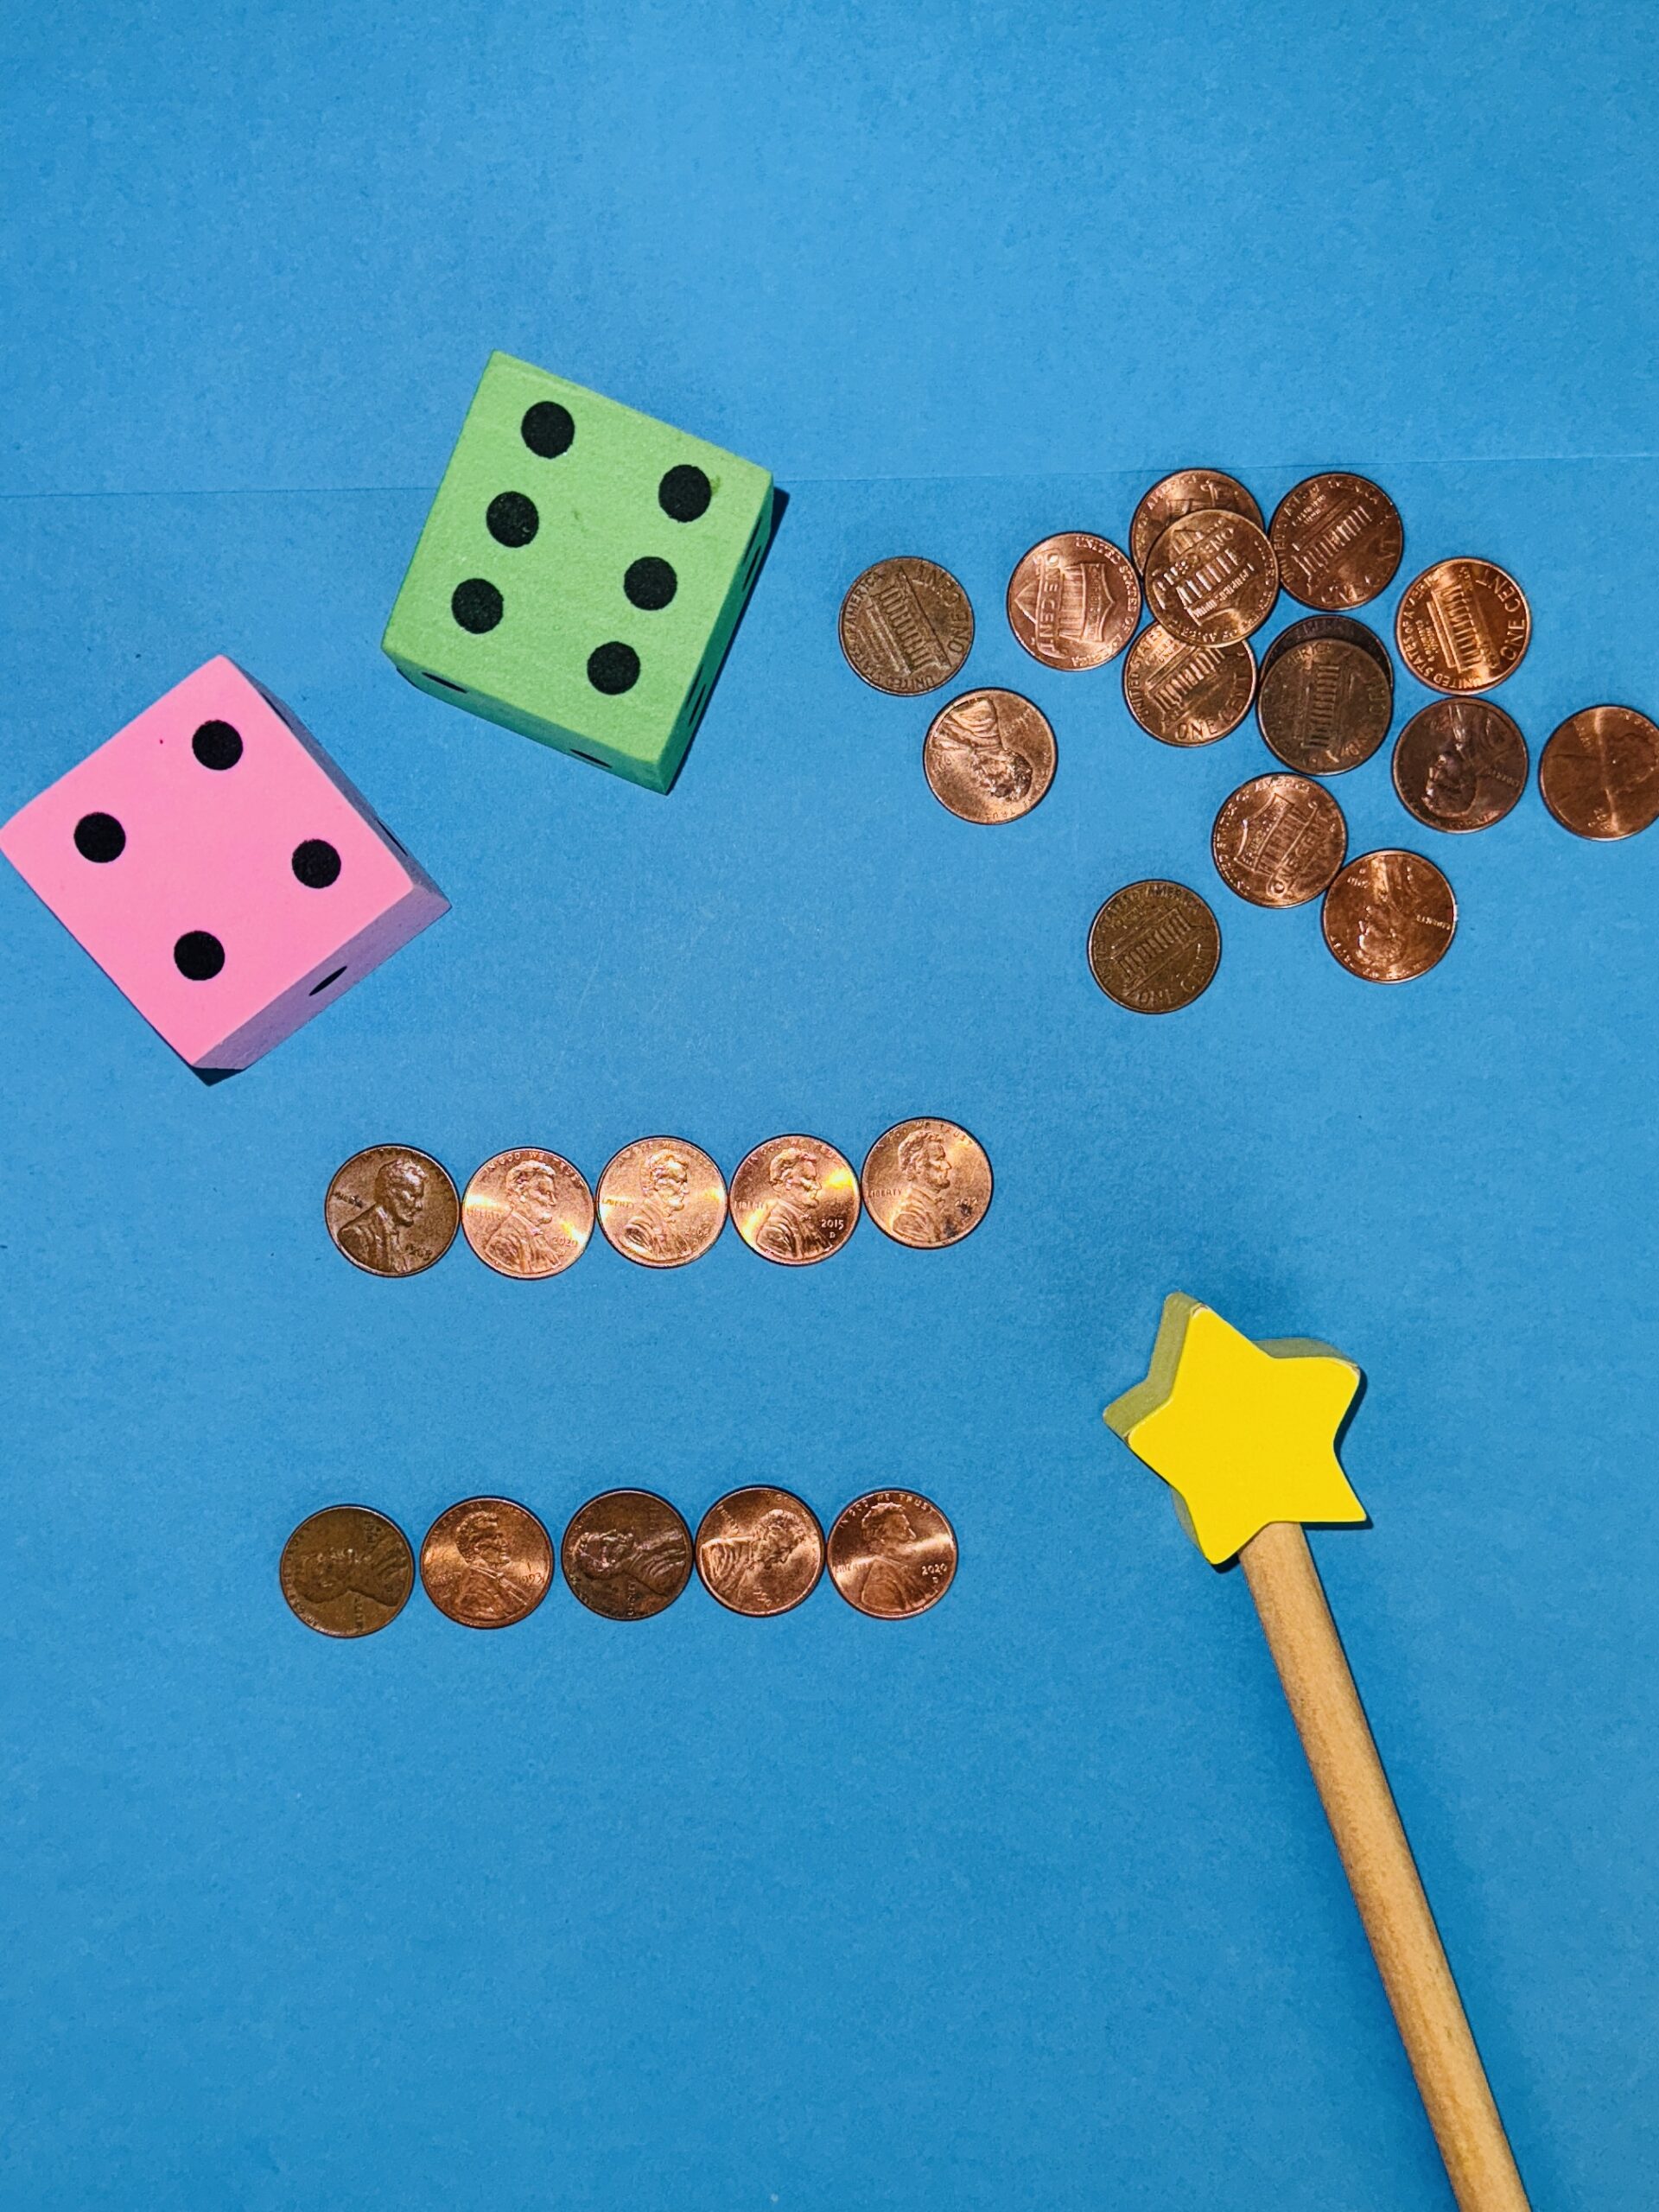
(488, 1562)
(1209, 573)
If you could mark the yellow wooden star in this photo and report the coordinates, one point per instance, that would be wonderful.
(1243, 1434)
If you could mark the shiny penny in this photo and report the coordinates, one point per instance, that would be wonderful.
(1154, 946)
(906, 626)
(627, 1554)
(926, 1183)
(1278, 840)
(1326, 696)
(892, 1553)
(1599, 772)
(989, 756)
(1184, 494)
(347, 1571)
(1212, 577)
(1389, 915)
(391, 1210)
(528, 1213)
(1187, 695)
(662, 1202)
(1074, 601)
(487, 1562)
(1460, 764)
(1339, 538)
(1462, 626)
(794, 1200)
(759, 1551)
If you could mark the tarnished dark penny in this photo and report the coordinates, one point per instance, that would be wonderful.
(1462, 626)
(528, 1213)
(1599, 772)
(892, 1553)
(1278, 840)
(391, 1210)
(1326, 696)
(1184, 494)
(1460, 764)
(347, 1571)
(1074, 601)
(1154, 946)
(759, 1551)
(1212, 577)
(662, 1202)
(487, 1562)
(905, 626)
(1339, 538)
(794, 1200)
(1389, 915)
(926, 1183)
(1187, 695)
(989, 756)
(627, 1554)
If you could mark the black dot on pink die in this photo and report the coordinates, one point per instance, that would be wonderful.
(100, 837)
(216, 745)
(316, 863)
(612, 668)
(511, 519)
(651, 583)
(199, 955)
(333, 976)
(476, 604)
(547, 428)
(684, 494)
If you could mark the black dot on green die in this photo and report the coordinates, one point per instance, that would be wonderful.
(476, 604)
(512, 518)
(650, 582)
(684, 494)
(198, 956)
(547, 428)
(216, 745)
(100, 837)
(612, 668)
(316, 863)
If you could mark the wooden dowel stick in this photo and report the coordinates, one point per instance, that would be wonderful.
(1381, 1872)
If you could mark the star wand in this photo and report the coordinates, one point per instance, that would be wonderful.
(1245, 1434)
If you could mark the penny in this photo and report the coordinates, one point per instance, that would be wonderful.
(347, 1571)
(391, 1210)
(905, 626)
(794, 1200)
(759, 1551)
(926, 1183)
(1389, 915)
(1154, 946)
(892, 1553)
(627, 1554)
(1462, 626)
(528, 1213)
(1599, 772)
(487, 1562)
(989, 756)
(1278, 840)
(662, 1202)
(1184, 494)
(1212, 577)
(1187, 695)
(1074, 601)
(1339, 538)
(1326, 696)
(1459, 764)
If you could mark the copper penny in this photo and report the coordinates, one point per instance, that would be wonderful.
(926, 1183)
(347, 1571)
(1212, 577)
(528, 1213)
(989, 756)
(487, 1562)
(892, 1553)
(1326, 696)
(627, 1554)
(1389, 915)
(1599, 772)
(1184, 494)
(1187, 695)
(1154, 946)
(1460, 764)
(1462, 626)
(759, 1551)
(1278, 840)
(391, 1210)
(1074, 601)
(1339, 538)
(905, 626)
(662, 1202)
(794, 1200)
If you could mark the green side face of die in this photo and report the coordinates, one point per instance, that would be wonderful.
(581, 572)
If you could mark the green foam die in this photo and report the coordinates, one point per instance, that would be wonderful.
(581, 572)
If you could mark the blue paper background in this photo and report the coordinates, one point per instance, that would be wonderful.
(1029, 1901)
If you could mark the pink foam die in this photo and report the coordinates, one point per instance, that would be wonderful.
(220, 869)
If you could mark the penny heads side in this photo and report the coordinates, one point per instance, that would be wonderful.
(892, 1554)
(347, 1571)
(391, 1210)
(528, 1213)
(1460, 764)
(1389, 917)
(662, 1202)
(794, 1200)
(487, 1562)
(989, 756)
(1599, 773)
(926, 1183)
(627, 1554)
(759, 1551)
